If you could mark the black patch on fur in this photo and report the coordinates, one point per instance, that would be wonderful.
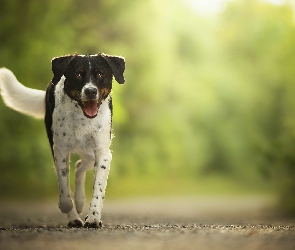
(111, 109)
(50, 103)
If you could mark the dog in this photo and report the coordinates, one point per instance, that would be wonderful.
(77, 107)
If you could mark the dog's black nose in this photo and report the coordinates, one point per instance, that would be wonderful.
(91, 92)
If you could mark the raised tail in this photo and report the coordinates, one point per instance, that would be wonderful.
(20, 98)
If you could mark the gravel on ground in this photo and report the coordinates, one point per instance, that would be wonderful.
(152, 223)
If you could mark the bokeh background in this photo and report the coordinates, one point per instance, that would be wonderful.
(208, 107)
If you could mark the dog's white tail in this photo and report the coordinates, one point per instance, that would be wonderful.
(20, 98)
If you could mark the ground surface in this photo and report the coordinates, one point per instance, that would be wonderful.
(182, 223)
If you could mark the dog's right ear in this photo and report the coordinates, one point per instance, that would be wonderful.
(59, 66)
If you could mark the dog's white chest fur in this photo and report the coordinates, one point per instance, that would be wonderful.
(73, 132)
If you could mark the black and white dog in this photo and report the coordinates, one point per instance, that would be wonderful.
(77, 107)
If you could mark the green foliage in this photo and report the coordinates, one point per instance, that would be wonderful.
(205, 96)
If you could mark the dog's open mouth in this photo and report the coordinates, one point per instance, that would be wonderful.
(90, 107)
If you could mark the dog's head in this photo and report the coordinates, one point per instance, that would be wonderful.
(88, 79)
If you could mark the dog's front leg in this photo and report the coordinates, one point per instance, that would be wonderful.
(101, 172)
(61, 162)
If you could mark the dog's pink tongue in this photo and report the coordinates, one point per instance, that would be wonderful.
(90, 108)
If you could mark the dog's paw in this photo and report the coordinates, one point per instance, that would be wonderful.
(92, 224)
(76, 223)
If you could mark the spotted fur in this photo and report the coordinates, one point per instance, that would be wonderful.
(77, 106)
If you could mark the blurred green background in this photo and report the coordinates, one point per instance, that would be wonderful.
(208, 107)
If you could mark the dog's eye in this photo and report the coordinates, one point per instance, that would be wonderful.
(99, 75)
(78, 75)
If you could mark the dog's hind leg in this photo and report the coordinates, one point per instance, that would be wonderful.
(86, 163)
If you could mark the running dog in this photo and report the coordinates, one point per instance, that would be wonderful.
(77, 107)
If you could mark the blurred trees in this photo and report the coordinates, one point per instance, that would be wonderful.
(205, 96)
(259, 42)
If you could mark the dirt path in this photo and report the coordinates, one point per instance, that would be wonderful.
(183, 223)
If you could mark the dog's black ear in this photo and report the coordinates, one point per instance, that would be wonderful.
(117, 64)
(59, 65)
